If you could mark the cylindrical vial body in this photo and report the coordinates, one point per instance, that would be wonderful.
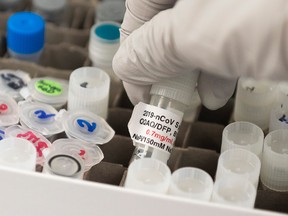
(240, 163)
(89, 90)
(191, 183)
(50, 10)
(279, 117)
(103, 44)
(245, 135)
(235, 191)
(110, 10)
(65, 164)
(274, 170)
(159, 122)
(17, 153)
(149, 175)
(25, 36)
(254, 100)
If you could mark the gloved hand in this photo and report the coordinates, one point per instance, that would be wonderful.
(224, 39)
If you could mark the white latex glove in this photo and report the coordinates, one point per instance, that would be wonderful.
(225, 39)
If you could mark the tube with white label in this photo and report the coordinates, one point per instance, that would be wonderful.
(153, 127)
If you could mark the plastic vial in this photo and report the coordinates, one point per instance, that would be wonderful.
(254, 101)
(25, 36)
(89, 90)
(153, 128)
(148, 175)
(192, 183)
(243, 134)
(240, 163)
(103, 44)
(274, 169)
(50, 10)
(110, 10)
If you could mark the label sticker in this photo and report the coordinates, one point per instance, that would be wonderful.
(154, 126)
(13, 81)
(48, 87)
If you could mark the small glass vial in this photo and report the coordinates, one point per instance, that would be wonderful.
(153, 128)
(25, 36)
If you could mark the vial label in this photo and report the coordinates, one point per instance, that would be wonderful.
(48, 87)
(41, 114)
(38, 143)
(13, 81)
(2, 134)
(3, 108)
(86, 126)
(154, 126)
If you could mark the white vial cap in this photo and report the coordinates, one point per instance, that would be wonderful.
(91, 154)
(241, 163)
(40, 117)
(191, 182)
(180, 88)
(235, 191)
(274, 170)
(86, 126)
(9, 112)
(89, 90)
(245, 135)
(17, 153)
(149, 175)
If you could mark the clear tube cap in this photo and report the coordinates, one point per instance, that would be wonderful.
(245, 135)
(40, 117)
(38, 140)
(9, 112)
(64, 164)
(191, 182)
(148, 174)
(17, 153)
(12, 81)
(180, 88)
(91, 155)
(86, 126)
(274, 170)
(240, 163)
(48, 90)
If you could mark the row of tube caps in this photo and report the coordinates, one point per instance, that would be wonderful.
(54, 11)
(32, 113)
(245, 155)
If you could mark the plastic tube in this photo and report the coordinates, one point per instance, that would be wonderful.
(154, 127)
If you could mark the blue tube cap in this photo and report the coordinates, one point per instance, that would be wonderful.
(25, 32)
(108, 32)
